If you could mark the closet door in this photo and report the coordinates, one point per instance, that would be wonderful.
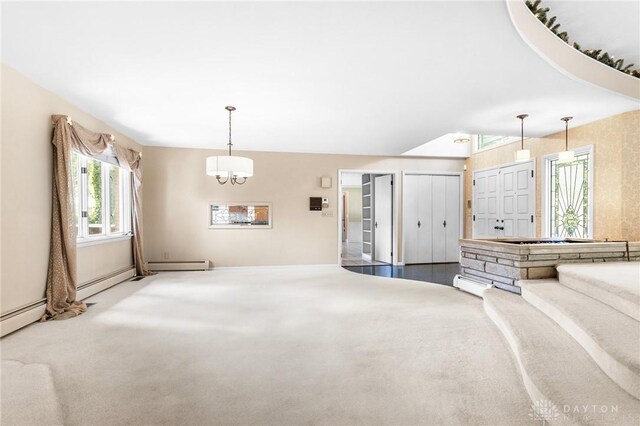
(438, 219)
(452, 218)
(411, 195)
(425, 226)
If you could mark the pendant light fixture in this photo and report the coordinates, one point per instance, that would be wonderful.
(566, 156)
(522, 154)
(230, 168)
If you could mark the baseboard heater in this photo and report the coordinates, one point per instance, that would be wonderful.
(179, 265)
(470, 286)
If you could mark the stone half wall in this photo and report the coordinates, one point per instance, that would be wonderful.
(504, 264)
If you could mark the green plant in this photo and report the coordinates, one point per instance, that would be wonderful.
(542, 14)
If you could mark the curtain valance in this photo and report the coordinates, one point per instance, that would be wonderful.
(62, 277)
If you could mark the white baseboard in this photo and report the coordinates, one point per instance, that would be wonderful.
(30, 314)
(184, 265)
(274, 267)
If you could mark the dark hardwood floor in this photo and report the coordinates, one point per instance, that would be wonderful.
(440, 273)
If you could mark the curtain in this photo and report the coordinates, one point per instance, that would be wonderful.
(62, 276)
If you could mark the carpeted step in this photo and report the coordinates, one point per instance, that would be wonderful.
(617, 284)
(559, 375)
(609, 336)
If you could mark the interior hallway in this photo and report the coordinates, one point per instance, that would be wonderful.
(352, 255)
(289, 346)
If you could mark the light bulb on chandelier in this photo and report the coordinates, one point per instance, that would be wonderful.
(230, 168)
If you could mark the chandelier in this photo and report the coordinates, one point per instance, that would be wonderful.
(230, 168)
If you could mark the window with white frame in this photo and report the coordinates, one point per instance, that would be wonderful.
(102, 195)
(483, 142)
(569, 196)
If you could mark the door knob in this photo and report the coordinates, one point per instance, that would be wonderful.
(376, 224)
(444, 223)
(419, 224)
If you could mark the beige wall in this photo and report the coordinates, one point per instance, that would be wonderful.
(355, 204)
(26, 170)
(177, 192)
(616, 142)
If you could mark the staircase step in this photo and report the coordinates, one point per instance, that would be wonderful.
(555, 368)
(617, 283)
(609, 336)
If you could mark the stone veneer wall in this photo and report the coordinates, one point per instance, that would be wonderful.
(504, 264)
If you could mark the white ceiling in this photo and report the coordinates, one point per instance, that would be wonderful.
(444, 146)
(357, 78)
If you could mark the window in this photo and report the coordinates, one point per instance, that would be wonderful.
(253, 215)
(491, 141)
(102, 197)
(569, 195)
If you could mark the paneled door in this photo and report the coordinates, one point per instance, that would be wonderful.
(517, 201)
(383, 218)
(485, 204)
(504, 202)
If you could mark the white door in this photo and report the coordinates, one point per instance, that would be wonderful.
(452, 218)
(425, 214)
(485, 204)
(383, 218)
(516, 194)
(411, 217)
(504, 202)
(439, 218)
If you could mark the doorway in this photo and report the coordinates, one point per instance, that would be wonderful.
(367, 218)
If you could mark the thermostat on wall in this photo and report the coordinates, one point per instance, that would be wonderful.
(315, 203)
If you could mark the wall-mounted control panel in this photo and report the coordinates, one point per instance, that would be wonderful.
(315, 203)
(318, 203)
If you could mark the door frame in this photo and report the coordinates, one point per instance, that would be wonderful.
(500, 166)
(545, 193)
(395, 202)
(461, 213)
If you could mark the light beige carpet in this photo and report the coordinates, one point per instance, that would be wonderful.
(300, 346)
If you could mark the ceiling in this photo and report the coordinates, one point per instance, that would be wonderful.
(613, 26)
(354, 78)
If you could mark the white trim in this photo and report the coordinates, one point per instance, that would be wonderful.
(397, 174)
(461, 220)
(34, 313)
(102, 239)
(274, 267)
(83, 238)
(546, 193)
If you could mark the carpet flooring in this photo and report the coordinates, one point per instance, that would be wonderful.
(268, 346)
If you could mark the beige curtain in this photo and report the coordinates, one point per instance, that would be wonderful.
(62, 277)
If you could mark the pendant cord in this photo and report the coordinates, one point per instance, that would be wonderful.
(522, 133)
(566, 135)
(230, 144)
